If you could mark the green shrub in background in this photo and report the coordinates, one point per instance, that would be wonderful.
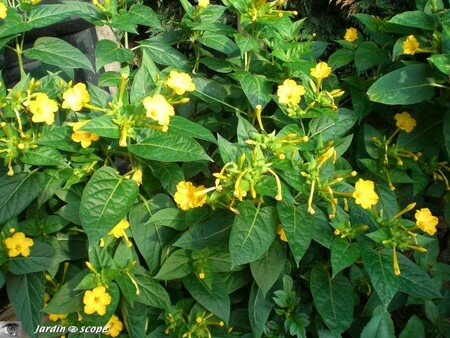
(233, 185)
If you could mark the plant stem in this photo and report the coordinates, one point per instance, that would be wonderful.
(19, 58)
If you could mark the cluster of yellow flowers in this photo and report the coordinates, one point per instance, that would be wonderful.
(160, 108)
(18, 244)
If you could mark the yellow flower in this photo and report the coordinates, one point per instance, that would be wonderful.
(203, 3)
(280, 231)
(180, 83)
(3, 10)
(119, 230)
(18, 244)
(426, 221)
(290, 93)
(321, 71)
(411, 45)
(43, 109)
(75, 97)
(159, 110)
(114, 326)
(96, 300)
(188, 196)
(137, 176)
(365, 194)
(351, 34)
(405, 122)
(55, 317)
(83, 137)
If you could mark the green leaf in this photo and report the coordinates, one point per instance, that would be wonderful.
(144, 78)
(379, 267)
(107, 51)
(42, 256)
(103, 126)
(380, 325)
(407, 85)
(343, 254)
(369, 55)
(333, 299)
(145, 16)
(135, 319)
(168, 147)
(67, 299)
(297, 223)
(215, 300)
(151, 292)
(340, 58)
(256, 87)
(17, 192)
(415, 281)
(46, 15)
(186, 127)
(211, 232)
(253, 232)
(26, 293)
(414, 328)
(57, 52)
(59, 138)
(105, 201)
(170, 217)
(442, 62)
(176, 266)
(163, 54)
(44, 156)
(259, 309)
(268, 268)
(218, 42)
(168, 174)
(417, 19)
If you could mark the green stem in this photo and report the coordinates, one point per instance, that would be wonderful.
(19, 58)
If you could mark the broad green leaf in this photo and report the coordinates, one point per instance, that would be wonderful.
(415, 281)
(246, 43)
(257, 88)
(442, 62)
(46, 15)
(297, 223)
(253, 232)
(380, 325)
(268, 268)
(341, 57)
(17, 192)
(149, 238)
(414, 328)
(343, 254)
(176, 266)
(215, 299)
(26, 293)
(407, 85)
(135, 319)
(43, 156)
(333, 298)
(144, 78)
(105, 201)
(57, 52)
(369, 55)
(168, 174)
(41, 257)
(107, 51)
(103, 126)
(169, 217)
(218, 42)
(151, 292)
(186, 127)
(259, 309)
(59, 138)
(168, 147)
(145, 16)
(212, 231)
(380, 269)
(416, 19)
(67, 299)
(163, 54)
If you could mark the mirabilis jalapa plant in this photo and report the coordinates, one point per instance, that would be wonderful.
(126, 211)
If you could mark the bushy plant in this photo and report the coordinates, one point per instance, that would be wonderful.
(228, 184)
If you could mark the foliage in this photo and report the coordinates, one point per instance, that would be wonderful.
(232, 185)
